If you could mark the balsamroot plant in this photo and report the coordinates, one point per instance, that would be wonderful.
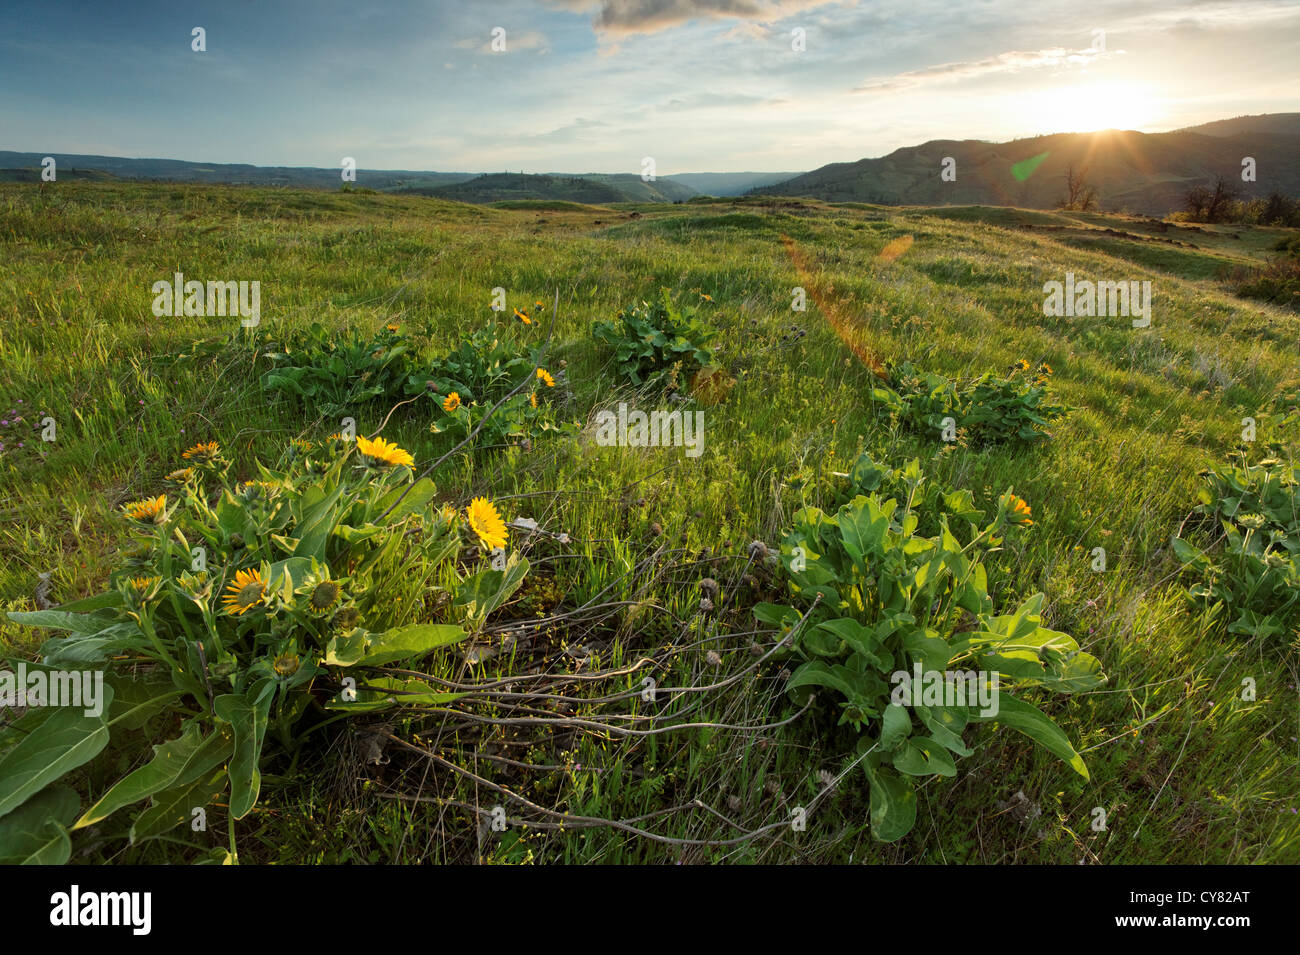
(899, 631)
(1254, 578)
(248, 612)
(650, 340)
(989, 409)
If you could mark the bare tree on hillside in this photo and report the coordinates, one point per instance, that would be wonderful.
(1212, 203)
(1080, 195)
(1197, 200)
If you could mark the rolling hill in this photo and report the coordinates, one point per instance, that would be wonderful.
(239, 174)
(591, 189)
(1138, 172)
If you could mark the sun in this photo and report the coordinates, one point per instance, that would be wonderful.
(1087, 107)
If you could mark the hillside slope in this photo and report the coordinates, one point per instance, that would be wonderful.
(590, 189)
(1138, 172)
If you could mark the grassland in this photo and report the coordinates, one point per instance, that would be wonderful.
(1186, 770)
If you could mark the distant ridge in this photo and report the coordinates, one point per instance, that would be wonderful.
(1141, 172)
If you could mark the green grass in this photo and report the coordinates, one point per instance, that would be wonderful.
(1186, 771)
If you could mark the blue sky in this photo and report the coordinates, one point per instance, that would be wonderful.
(700, 85)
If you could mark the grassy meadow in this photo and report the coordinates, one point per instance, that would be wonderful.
(1185, 769)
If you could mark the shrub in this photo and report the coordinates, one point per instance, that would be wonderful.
(1255, 575)
(480, 372)
(240, 614)
(333, 372)
(1277, 282)
(991, 409)
(874, 602)
(657, 342)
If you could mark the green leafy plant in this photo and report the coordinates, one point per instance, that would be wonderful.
(250, 610)
(333, 372)
(991, 409)
(875, 601)
(659, 342)
(1255, 575)
(483, 370)
(927, 499)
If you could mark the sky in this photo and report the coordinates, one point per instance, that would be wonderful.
(600, 85)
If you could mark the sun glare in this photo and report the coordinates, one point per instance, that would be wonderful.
(1085, 108)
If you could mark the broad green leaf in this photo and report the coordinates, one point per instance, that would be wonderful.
(416, 499)
(247, 716)
(927, 647)
(775, 615)
(135, 699)
(36, 832)
(88, 623)
(922, 756)
(407, 643)
(895, 727)
(175, 763)
(893, 803)
(104, 601)
(296, 569)
(174, 806)
(318, 519)
(378, 693)
(346, 649)
(82, 648)
(487, 590)
(1035, 724)
(65, 740)
(945, 724)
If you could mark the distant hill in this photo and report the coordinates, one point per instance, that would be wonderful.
(492, 187)
(590, 189)
(730, 183)
(1280, 124)
(179, 170)
(1140, 172)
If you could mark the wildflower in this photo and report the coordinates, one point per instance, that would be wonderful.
(286, 664)
(203, 453)
(523, 317)
(258, 490)
(1045, 368)
(324, 596)
(150, 510)
(451, 403)
(393, 328)
(706, 296)
(384, 452)
(486, 523)
(1022, 365)
(347, 618)
(180, 476)
(1017, 510)
(539, 304)
(246, 591)
(195, 585)
(545, 376)
(143, 587)
(532, 399)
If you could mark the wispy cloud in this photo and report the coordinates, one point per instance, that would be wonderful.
(1012, 61)
(651, 16)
